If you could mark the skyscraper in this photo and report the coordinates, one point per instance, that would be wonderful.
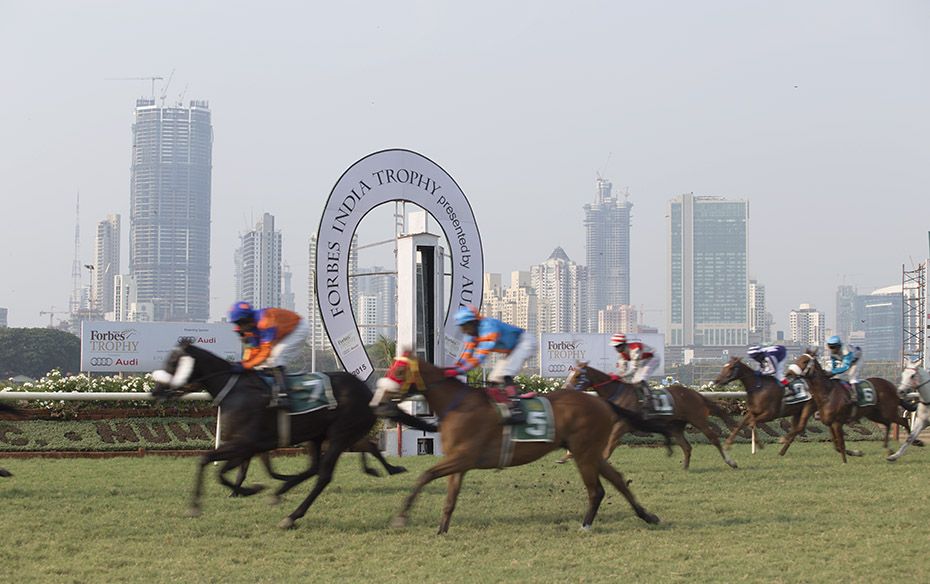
(708, 296)
(759, 324)
(561, 294)
(807, 326)
(607, 250)
(106, 263)
(169, 221)
(846, 316)
(258, 264)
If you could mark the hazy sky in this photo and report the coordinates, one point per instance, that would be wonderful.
(816, 112)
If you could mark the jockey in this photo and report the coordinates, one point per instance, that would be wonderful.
(771, 361)
(484, 335)
(273, 338)
(635, 359)
(844, 361)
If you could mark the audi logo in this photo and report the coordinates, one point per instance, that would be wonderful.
(558, 368)
(190, 340)
(100, 361)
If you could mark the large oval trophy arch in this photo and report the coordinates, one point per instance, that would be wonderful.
(383, 177)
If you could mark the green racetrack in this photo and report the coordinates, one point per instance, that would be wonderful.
(801, 518)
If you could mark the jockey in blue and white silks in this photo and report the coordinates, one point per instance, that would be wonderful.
(844, 361)
(771, 359)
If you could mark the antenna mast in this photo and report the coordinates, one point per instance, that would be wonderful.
(75, 303)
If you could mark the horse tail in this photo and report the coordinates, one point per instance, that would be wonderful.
(720, 411)
(640, 423)
(400, 416)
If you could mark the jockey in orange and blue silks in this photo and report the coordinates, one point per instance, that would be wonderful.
(485, 335)
(273, 337)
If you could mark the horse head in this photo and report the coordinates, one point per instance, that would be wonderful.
(805, 365)
(186, 366)
(730, 372)
(401, 377)
(914, 378)
(578, 377)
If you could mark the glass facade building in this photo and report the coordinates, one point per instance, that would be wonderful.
(169, 233)
(708, 302)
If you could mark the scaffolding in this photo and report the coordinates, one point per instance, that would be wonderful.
(914, 290)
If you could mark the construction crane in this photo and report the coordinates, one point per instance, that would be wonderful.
(152, 78)
(51, 315)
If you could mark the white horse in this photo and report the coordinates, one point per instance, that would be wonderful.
(914, 378)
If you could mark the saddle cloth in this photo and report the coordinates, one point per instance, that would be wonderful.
(797, 392)
(865, 394)
(659, 402)
(539, 426)
(308, 392)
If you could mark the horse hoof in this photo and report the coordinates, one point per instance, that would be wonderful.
(649, 517)
(918, 442)
(891, 458)
(372, 473)
(5, 473)
(399, 522)
(585, 528)
(274, 499)
(397, 470)
(855, 453)
(194, 511)
(286, 523)
(732, 464)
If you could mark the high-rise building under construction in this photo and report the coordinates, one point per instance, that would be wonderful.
(607, 250)
(169, 229)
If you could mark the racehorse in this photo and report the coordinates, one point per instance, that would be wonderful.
(764, 402)
(690, 407)
(472, 436)
(10, 410)
(837, 407)
(914, 378)
(253, 427)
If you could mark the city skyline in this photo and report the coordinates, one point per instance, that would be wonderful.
(823, 134)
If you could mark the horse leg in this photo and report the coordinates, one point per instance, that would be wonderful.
(324, 477)
(446, 466)
(237, 489)
(617, 480)
(390, 468)
(452, 495)
(840, 438)
(678, 434)
(728, 443)
(589, 469)
(923, 416)
(705, 429)
(224, 452)
(799, 422)
(617, 432)
(291, 481)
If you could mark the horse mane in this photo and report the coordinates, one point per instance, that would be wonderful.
(200, 353)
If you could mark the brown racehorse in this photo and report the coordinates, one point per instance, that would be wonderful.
(764, 402)
(690, 407)
(837, 406)
(471, 432)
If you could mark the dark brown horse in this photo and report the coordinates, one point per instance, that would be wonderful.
(472, 436)
(764, 402)
(6, 408)
(690, 407)
(837, 407)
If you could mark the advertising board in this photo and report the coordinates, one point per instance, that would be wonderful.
(133, 347)
(560, 351)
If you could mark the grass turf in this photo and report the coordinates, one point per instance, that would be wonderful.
(801, 518)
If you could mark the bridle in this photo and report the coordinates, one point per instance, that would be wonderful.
(412, 377)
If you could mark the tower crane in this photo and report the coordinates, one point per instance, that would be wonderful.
(152, 78)
(51, 315)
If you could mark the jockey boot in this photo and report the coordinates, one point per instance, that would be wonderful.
(515, 413)
(645, 397)
(279, 394)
